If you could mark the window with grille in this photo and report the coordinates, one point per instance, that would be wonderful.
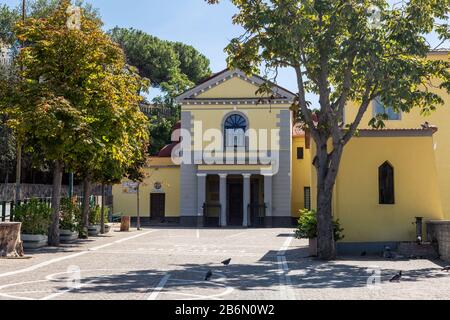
(235, 127)
(307, 197)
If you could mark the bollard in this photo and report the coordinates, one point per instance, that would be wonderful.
(125, 224)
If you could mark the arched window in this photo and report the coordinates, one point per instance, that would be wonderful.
(386, 183)
(235, 127)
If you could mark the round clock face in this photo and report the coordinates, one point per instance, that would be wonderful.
(158, 185)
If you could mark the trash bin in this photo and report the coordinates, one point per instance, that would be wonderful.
(125, 224)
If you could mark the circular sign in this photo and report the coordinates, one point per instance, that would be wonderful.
(158, 185)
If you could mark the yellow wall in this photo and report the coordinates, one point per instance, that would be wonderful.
(301, 175)
(439, 118)
(260, 116)
(356, 198)
(232, 88)
(160, 170)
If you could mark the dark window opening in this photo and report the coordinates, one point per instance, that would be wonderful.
(386, 183)
(307, 198)
(300, 153)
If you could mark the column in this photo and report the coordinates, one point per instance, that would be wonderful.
(246, 198)
(268, 198)
(223, 199)
(201, 196)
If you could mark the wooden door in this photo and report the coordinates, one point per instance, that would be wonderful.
(157, 205)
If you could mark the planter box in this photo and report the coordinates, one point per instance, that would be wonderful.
(67, 236)
(31, 241)
(313, 247)
(94, 230)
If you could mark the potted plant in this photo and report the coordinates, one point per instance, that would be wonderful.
(69, 221)
(94, 221)
(307, 229)
(35, 217)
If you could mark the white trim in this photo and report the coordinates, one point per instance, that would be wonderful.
(229, 74)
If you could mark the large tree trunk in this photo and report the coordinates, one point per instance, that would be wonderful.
(327, 165)
(53, 235)
(87, 190)
(326, 249)
(10, 243)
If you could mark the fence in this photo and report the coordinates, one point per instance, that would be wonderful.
(7, 207)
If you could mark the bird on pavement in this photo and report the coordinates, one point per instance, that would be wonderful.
(397, 277)
(363, 254)
(208, 275)
(446, 268)
(226, 262)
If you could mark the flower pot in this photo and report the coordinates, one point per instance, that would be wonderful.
(93, 230)
(67, 236)
(313, 247)
(34, 241)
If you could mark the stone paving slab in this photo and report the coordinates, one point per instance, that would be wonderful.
(171, 263)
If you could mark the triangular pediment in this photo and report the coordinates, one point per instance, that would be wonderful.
(234, 84)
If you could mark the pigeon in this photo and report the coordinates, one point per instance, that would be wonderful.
(208, 275)
(226, 262)
(397, 277)
(363, 254)
(446, 268)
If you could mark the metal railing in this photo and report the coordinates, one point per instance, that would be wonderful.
(211, 214)
(257, 214)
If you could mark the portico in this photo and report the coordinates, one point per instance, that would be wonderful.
(234, 199)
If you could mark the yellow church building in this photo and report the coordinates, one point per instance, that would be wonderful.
(238, 159)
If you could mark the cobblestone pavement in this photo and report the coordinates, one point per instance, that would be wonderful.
(171, 263)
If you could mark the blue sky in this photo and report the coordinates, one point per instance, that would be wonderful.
(208, 28)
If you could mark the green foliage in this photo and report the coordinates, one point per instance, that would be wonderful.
(307, 226)
(35, 217)
(70, 218)
(95, 215)
(173, 67)
(160, 130)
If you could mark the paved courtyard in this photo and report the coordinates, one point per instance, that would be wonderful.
(171, 263)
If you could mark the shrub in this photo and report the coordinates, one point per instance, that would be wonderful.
(95, 215)
(35, 217)
(70, 215)
(307, 226)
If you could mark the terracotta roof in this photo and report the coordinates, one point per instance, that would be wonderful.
(166, 151)
(297, 130)
(426, 130)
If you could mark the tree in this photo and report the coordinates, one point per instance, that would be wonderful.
(342, 52)
(173, 67)
(79, 95)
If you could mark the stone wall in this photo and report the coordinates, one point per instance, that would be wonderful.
(438, 232)
(43, 191)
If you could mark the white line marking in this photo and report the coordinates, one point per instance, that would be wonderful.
(198, 233)
(158, 288)
(55, 260)
(285, 280)
(236, 235)
(285, 246)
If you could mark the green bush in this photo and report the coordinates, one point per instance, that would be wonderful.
(307, 226)
(95, 215)
(35, 217)
(70, 215)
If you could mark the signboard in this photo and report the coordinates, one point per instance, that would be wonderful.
(130, 187)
